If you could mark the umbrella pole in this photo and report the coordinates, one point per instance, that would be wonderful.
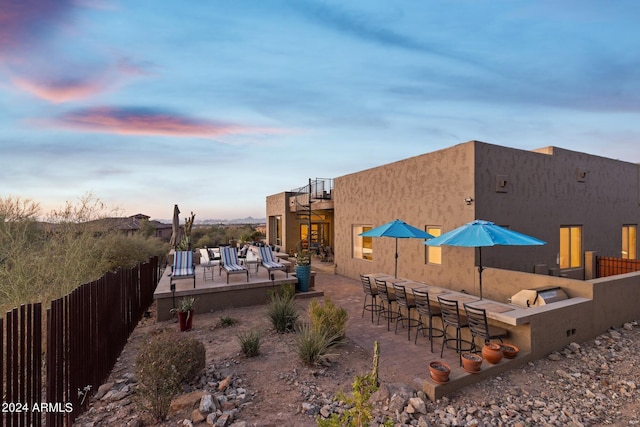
(480, 268)
(396, 272)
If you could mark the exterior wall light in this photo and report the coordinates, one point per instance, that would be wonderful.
(468, 200)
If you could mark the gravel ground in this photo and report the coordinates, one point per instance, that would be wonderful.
(588, 384)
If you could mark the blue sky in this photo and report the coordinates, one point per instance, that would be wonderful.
(215, 105)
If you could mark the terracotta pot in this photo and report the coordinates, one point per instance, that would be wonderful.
(509, 350)
(492, 353)
(439, 372)
(185, 320)
(471, 362)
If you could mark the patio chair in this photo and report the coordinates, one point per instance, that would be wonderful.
(451, 318)
(479, 327)
(426, 313)
(403, 303)
(386, 301)
(208, 264)
(183, 267)
(230, 263)
(370, 292)
(269, 262)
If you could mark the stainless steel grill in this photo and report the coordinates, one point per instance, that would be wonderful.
(538, 296)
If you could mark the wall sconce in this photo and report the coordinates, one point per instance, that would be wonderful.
(468, 200)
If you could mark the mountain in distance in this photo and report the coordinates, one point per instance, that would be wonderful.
(247, 220)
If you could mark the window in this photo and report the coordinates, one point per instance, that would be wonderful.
(629, 243)
(362, 246)
(275, 230)
(571, 247)
(433, 253)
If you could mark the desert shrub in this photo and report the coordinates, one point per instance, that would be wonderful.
(249, 343)
(328, 316)
(227, 321)
(313, 344)
(166, 360)
(42, 261)
(282, 311)
(359, 412)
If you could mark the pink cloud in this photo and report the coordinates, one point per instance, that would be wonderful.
(23, 22)
(142, 121)
(60, 90)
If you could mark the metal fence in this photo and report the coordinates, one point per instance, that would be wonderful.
(609, 266)
(85, 333)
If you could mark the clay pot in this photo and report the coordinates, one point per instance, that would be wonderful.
(509, 350)
(492, 353)
(439, 372)
(185, 320)
(471, 362)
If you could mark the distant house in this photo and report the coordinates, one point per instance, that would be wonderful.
(578, 203)
(132, 224)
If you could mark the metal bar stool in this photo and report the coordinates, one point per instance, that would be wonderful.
(451, 318)
(386, 301)
(370, 292)
(479, 327)
(426, 312)
(403, 303)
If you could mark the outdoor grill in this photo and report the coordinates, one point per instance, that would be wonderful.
(538, 296)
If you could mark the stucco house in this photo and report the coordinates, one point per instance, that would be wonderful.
(580, 204)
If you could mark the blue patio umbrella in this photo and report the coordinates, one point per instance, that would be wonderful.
(480, 233)
(399, 230)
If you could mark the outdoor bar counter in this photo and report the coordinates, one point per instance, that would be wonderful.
(516, 319)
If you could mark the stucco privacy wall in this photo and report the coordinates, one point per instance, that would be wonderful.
(551, 187)
(425, 190)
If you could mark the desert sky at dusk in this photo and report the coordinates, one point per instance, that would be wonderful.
(214, 105)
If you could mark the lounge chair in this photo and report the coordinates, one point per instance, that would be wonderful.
(183, 267)
(269, 262)
(208, 264)
(230, 263)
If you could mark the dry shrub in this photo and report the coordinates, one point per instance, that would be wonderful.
(166, 360)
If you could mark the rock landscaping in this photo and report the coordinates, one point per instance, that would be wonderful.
(588, 384)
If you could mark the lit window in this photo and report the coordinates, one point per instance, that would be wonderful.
(434, 253)
(571, 247)
(362, 246)
(629, 243)
(275, 229)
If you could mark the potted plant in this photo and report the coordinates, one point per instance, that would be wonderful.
(492, 352)
(303, 269)
(471, 362)
(439, 371)
(185, 313)
(509, 350)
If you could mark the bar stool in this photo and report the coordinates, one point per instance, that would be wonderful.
(369, 292)
(479, 327)
(402, 302)
(451, 318)
(386, 300)
(425, 311)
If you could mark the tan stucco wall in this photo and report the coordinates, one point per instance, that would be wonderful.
(423, 190)
(544, 190)
(278, 205)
